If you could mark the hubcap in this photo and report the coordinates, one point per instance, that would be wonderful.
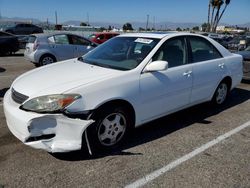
(47, 60)
(221, 93)
(112, 129)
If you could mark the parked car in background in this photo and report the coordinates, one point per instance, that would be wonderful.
(100, 38)
(43, 49)
(222, 41)
(8, 43)
(124, 83)
(24, 29)
(239, 43)
(246, 62)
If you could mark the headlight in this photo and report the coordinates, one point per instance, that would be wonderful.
(50, 103)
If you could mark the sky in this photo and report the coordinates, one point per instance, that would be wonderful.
(114, 11)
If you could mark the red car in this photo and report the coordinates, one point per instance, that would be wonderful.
(100, 38)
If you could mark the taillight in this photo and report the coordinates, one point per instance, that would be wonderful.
(35, 45)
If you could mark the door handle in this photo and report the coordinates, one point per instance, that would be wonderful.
(221, 65)
(187, 73)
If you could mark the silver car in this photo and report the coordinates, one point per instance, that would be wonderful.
(43, 49)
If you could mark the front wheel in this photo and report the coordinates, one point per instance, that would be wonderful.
(110, 129)
(221, 93)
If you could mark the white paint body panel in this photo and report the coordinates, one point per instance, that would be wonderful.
(151, 94)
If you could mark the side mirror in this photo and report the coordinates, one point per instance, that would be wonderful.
(156, 66)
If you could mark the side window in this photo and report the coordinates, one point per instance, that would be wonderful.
(61, 39)
(75, 40)
(173, 51)
(202, 50)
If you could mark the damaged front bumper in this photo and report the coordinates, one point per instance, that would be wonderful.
(50, 132)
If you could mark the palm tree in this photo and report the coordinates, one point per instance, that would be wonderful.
(215, 4)
(208, 15)
(227, 2)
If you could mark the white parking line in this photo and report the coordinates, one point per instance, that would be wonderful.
(146, 179)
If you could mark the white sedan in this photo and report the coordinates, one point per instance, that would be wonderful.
(126, 82)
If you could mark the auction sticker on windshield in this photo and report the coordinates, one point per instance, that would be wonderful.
(143, 40)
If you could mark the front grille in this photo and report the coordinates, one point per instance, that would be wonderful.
(18, 97)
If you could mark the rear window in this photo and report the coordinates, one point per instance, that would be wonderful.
(32, 39)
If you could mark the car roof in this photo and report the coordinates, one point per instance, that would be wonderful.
(158, 35)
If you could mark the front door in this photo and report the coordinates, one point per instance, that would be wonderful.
(167, 91)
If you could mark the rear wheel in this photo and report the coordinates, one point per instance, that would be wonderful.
(47, 59)
(221, 93)
(110, 128)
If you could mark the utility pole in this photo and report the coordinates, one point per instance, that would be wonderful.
(47, 23)
(88, 19)
(56, 16)
(147, 22)
(154, 22)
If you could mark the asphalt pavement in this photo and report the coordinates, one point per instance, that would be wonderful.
(153, 154)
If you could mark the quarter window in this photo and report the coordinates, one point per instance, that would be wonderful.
(203, 50)
(51, 39)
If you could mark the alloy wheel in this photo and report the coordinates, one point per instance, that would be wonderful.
(112, 129)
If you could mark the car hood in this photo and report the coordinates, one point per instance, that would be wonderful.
(60, 77)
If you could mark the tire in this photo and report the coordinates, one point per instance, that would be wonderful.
(111, 127)
(221, 93)
(47, 59)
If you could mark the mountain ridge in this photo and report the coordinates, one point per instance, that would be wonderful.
(135, 24)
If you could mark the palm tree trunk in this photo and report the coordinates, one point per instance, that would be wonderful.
(216, 19)
(208, 16)
(212, 20)
(221, 16)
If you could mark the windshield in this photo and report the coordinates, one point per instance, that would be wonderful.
(121, 53)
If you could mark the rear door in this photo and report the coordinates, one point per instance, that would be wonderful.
(208, 68)
(62, 47)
